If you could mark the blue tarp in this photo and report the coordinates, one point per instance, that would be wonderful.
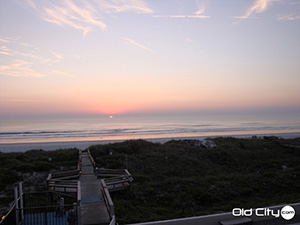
(93, 199)
(45, 219)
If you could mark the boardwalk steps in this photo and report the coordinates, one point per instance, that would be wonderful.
(81, 196)
(93, 186)
(93, 207)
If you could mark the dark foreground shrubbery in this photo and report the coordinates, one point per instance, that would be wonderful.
(33, 161)
(183, 178)
(34, 164)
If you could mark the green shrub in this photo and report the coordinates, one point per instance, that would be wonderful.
(26, 167)
(42, 166)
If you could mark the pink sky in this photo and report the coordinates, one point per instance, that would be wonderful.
(110, 57)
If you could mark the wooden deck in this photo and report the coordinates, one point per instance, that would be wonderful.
(93, 208)
(93, 189)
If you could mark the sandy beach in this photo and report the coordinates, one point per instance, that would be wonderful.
(48, 146)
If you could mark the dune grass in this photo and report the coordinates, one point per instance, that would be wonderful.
(183, 178)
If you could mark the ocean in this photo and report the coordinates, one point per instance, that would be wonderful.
(84, 129)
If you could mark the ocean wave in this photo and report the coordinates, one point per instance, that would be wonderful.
(141, 131)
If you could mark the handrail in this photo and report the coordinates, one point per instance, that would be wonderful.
(44, 207)
(78, 192)
(79, 161)
(65, 185)
(113, 171)
(113, 221)
(78, 203)
(101, 172)
(39, 198)
(107, 199)
(67, 177)
(9, 212)
(49, 176)
(63, 173)
(114, 182)
(91, 158)
(127, 173)
(63, 181)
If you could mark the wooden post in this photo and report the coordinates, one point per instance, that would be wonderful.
(78, 214)
(16, 205)
(78, 203)
(21, 200)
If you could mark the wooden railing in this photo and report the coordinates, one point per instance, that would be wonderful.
(79, 161)
(66, 175)
(10, 217)
(103, 173)
(113, 221)
(107, 199)
(63, 181)
(78, 203)
(91, 158)
(115, 179)
(35, 207)
(111, 180)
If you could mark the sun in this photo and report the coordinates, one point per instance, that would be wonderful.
(110, 117)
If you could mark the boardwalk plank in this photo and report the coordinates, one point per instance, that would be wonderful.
(92, 212)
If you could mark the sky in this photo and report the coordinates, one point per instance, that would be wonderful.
(148, 56)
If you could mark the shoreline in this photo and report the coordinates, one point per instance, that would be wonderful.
(56, 145)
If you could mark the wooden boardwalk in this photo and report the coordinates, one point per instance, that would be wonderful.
(93, 208)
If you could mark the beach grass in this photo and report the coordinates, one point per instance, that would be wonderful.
(184, 178)
(179, 178)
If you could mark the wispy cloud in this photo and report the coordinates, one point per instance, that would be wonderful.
(4, 53)
(84, 15)
(57, 56)
(132, 42)
(182, 16)
(117, 6)
(20, 100)
(197, 14)
(20, 59)
(201, 8)
(5, 50)
(4, 40)
(19, 68)
(33, 56)
(288, 17)
(20, 49)
(188, 40)
(259, 6)
(16, 64)
(62, 73)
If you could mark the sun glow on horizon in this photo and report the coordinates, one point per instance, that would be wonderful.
(96, 59)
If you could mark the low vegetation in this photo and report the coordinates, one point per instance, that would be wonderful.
(179, 178)
(184, 178)
(32, 168)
